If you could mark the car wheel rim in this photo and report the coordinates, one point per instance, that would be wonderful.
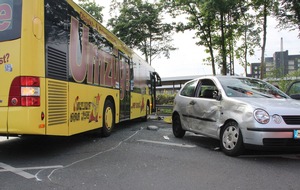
(230, 137)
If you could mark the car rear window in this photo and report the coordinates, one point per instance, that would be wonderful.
(189, 89)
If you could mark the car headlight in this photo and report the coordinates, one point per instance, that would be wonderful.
(261, 116)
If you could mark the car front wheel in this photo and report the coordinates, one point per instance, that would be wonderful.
(232, 139)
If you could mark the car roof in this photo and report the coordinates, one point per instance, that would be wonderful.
(219, 77)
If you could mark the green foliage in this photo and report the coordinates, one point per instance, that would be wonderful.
(286, 80)
(219, 26)
(139, 24)
(165, 99)
(276, 76)
(288, 14)
(92, 8)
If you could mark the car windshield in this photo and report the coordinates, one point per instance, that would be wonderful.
(248, 87)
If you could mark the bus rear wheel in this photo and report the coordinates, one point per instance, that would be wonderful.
(108, 119)
(145, 118)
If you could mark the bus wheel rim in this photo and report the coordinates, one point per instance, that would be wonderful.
(108, 118)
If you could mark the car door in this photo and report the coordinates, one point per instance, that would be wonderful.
(204, 109)
(293, 90)
(187, 94)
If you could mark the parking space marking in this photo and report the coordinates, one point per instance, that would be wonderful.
(3, 139)
(21, 172)
(167, 143)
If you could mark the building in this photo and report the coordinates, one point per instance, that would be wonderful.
(279, 65)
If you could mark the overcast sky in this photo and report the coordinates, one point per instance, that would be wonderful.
(187, 59)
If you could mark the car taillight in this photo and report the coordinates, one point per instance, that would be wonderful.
(24, 91)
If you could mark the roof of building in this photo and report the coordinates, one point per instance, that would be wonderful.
(177, 80)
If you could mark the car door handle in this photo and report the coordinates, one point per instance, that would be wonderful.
(192, 102)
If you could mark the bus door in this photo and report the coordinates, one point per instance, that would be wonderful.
(124, 87)
(155, 81)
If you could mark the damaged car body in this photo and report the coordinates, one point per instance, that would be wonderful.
(241, 112)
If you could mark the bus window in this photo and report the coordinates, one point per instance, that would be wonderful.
(10, 19)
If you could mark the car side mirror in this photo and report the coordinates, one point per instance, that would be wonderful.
(217, 95)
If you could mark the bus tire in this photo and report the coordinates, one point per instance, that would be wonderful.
(145, 118)
(108, 119)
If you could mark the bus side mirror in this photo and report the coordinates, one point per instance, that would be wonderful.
(158, 82)
(158, 79)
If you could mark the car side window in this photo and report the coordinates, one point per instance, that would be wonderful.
(294, 89)
(189, 89)
(207, 89)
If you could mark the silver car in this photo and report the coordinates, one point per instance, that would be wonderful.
(241, 112)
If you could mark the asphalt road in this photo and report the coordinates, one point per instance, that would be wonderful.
(136, 158)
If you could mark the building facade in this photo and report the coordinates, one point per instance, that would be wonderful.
(277, 66)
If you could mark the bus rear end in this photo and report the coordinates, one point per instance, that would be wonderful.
(21, 67)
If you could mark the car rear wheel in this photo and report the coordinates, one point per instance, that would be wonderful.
(231, 139)
(176, 127)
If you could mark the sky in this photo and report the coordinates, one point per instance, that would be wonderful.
(187, 60)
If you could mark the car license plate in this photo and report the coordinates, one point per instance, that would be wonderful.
(296, 134)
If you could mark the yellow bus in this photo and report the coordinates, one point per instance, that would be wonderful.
(63, 73)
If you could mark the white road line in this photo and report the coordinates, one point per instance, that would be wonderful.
(3, 139)
(19, 171)
(34, 168)
(167, 143)
(90, 157)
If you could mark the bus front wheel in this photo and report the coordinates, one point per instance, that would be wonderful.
(108, 118)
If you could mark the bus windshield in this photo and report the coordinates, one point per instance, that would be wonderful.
(10, 19)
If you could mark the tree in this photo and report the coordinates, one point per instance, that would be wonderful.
(92, 8)
(215, 23)
(249, 36)
(288, 14)
(139, 24)
(277, 76)
(264, 8)
(201, 19)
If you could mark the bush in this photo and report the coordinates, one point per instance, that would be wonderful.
(165, 99)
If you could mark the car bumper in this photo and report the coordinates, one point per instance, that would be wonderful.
(270, 138)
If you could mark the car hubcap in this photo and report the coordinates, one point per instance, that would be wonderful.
(230, 137)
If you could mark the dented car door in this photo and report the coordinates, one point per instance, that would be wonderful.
(204, 109)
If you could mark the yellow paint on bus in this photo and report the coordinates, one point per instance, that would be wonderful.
(63, 73)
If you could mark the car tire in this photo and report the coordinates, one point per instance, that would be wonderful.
(231, 140)
(176, 127)
(108, 119)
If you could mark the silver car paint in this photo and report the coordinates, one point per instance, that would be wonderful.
(237, 109)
